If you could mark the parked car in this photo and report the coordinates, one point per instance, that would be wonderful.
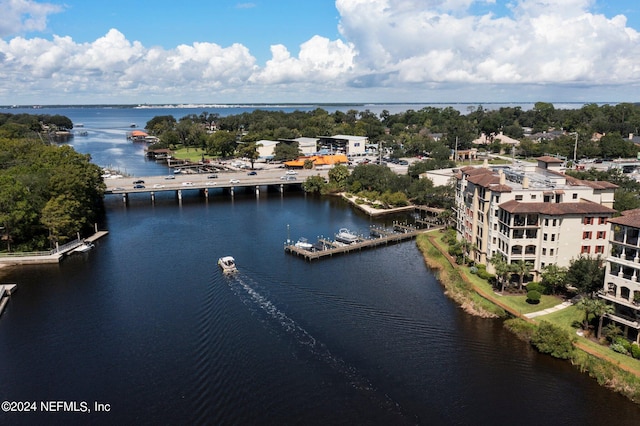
(138, 182)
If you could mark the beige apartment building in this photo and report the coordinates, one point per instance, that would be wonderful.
(622, 273)
(533, 213)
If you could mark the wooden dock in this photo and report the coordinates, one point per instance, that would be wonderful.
(379, 237)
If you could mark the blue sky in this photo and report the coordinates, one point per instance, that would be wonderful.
(224, 51)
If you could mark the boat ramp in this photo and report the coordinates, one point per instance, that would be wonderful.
(378, 237)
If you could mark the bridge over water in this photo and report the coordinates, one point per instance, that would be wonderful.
(204, 182)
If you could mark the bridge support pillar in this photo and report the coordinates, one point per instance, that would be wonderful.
(125, 198)
(257, 190)
(153, 197)
(180, 194)
(231, 190)
(281, 188)
(206, 192)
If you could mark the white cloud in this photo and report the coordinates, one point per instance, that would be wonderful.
(404, 49)
(543, 41)
(24, 15)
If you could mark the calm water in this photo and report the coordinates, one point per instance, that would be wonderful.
(147, 323)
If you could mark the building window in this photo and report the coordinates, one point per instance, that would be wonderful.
(586, 235)
(575, 196)
(518, 197)
(546, 222)
(553, 237)
(550, 252)
(602, 220)
(544, 237)
(602, 235)
(555, 221)
(544, 251)
(588, 220)
(585, 249)
(533, 196)
(600, 249)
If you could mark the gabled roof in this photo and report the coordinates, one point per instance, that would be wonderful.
(548, 159)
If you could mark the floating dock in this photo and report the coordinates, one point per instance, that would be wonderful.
(379, 237)
(6, 290)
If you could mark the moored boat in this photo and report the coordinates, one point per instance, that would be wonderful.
(346, 236)
(228, 264)
(304, 244)
(84, 247)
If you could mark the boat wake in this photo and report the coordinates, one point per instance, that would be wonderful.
(246, 289)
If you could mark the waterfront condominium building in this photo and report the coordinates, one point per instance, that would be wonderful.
(533, 213)
(622, 273)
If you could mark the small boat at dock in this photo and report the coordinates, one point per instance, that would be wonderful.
(84, 247)
(227, 264)
(345, 236)
(304, 244)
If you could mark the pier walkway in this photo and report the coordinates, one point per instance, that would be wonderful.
(379, 236)
(51, 256)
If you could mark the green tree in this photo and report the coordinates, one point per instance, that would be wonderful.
(286, 151)
(589, 306)
(553, 340)
(502, 268)
(314, 184)
(554, 277)
(221, 143)
(521, 269)
(586, 274)
(600, 309)
(250, 151)
(339, 175)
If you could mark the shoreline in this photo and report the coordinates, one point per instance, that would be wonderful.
(608, 372)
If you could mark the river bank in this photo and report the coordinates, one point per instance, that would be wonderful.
(623, 378)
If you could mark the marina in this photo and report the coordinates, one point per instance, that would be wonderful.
(327, 248)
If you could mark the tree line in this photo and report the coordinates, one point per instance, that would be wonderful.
(418, 132)
(48, 193)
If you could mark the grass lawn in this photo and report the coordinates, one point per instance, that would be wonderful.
(192, 154)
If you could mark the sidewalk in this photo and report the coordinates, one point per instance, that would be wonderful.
(548, 311)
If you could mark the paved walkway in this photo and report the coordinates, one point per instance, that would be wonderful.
(548, 311)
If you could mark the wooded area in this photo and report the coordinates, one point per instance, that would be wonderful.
(48, 193)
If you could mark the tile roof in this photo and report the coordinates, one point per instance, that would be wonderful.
(556, 209)
(629, 218)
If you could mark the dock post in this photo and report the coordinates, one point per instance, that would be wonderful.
(257, 190)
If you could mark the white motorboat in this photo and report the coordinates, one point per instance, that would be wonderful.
(228, 264)
(302, 243)
(346, 236)
(84, 247)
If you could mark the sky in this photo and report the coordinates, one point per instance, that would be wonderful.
(73, 52)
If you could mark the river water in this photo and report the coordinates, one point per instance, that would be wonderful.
(148, 326)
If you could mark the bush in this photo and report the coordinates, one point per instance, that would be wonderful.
(619, 347)
(533, 297)
(553, 340)
(635, 351)
(473, 270)
(536, 286)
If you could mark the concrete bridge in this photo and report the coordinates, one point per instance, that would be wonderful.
(204, 182)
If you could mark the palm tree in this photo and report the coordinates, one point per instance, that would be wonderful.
(522, 269)
(600, 309)
(588, 305)
(503, 269)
